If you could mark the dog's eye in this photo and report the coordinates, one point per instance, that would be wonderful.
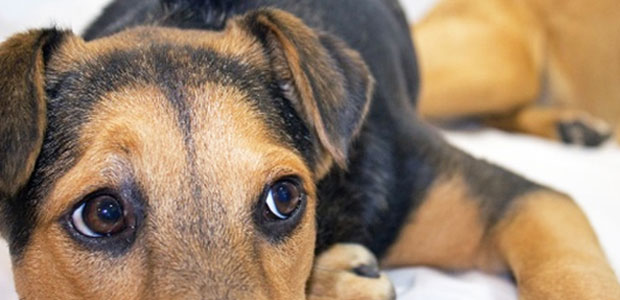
(100, 216)
(283, 198)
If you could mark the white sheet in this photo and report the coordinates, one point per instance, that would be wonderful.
(591, 176)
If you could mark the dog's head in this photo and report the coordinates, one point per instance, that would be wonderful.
(162, 163)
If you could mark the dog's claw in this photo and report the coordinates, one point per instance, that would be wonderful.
(369, 271)
(584, 131)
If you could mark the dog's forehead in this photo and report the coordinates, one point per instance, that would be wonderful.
(208, 152)
(173, 61)
(170, 58)
(234, 40)
(171, 106)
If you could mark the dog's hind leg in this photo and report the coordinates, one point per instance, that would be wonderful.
(471, 66)
(559, 123)
(476, 66)
(476, 215)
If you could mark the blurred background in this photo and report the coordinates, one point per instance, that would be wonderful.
(591, 176)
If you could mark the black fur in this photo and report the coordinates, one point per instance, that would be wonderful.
(392, 161)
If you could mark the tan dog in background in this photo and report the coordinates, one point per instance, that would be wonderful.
(549, 68)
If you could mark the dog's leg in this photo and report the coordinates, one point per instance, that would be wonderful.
(558, 123)
(471, 67)
(476, 215)
(348, 272)
(474, 66)
(552, 250)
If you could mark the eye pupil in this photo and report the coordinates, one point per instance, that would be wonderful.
(283, 193)
(109, 211)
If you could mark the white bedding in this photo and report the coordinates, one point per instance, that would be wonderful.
(590, 176)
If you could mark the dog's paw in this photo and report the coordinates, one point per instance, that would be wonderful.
(348, 272)
(583, 130)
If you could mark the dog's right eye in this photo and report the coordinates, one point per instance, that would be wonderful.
(101, 216)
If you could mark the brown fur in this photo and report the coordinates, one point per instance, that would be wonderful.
(124, 138)
(293, 43)
(233, 41)
(22, 137)
(497, 58)
(547, 240)
(131, 134)
(445, 232)
(544, 239)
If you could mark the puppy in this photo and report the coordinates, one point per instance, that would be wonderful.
(541, 67)
(255, 150)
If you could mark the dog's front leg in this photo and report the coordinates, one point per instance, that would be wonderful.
(553, 252)
(476, 215)
(348, 272)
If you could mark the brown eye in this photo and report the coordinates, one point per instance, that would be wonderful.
(282, 199)
(100, 216)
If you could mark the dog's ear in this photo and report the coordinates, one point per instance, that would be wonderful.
(327, 82)
(22, 105)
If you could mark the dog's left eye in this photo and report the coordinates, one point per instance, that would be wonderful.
(100, 216)
(281, 208)
(283, 198)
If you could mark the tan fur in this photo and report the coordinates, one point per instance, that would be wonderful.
(553, 251)
(236, 156)
(445, 231)
(102, 164)
(498, 57)
(543, 238)
(233, 41)
(199, 183)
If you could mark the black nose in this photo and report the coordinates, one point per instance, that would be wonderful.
(370, 271)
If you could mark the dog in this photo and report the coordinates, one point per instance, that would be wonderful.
(268, 149)
(541, 67)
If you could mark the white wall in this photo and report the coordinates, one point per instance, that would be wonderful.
(21, 15)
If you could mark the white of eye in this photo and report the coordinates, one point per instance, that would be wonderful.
(286, 86)
(273, 208)
(78, 222)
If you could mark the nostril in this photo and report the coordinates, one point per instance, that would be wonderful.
(367, 271)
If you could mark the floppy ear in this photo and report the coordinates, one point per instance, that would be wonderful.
(328, 83)
(22, 106)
